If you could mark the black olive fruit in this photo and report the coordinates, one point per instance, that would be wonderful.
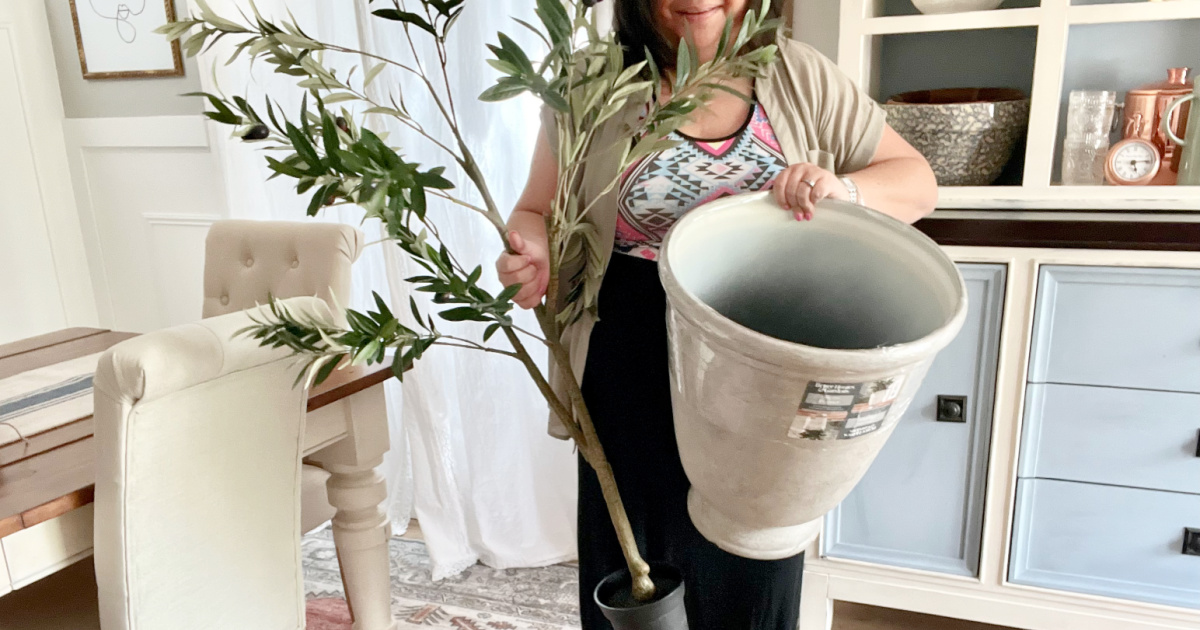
(257, 132)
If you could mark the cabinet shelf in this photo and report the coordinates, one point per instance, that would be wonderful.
(1133, 12)
(1157, 198)
(1032, 16)
(971, 20)
(1046, 51)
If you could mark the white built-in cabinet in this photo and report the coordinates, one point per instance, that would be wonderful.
(1065, 495)
(1046, 49)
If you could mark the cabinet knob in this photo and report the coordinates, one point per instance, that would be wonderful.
(951, 408)
(1198, 443)
(1191, 541)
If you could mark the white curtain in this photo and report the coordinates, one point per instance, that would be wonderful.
(469, 456)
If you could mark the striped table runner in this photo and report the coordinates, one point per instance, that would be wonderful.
(46, 398)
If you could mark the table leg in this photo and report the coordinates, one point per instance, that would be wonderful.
(360, 526)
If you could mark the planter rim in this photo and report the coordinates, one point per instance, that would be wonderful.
(779, 352)
(656, 568)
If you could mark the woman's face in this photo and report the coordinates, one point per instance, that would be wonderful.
(701, 20)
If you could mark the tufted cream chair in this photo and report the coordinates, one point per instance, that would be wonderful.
(246, 262)
(198, 445)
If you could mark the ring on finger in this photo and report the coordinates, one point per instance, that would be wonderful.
(811, 183)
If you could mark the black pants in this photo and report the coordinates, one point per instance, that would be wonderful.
(627, 389)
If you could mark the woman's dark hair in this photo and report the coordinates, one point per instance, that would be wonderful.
(636, 32)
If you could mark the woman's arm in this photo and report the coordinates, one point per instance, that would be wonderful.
(897, 182)
(530, 266)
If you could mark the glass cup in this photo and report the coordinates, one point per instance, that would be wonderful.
(1089, 127)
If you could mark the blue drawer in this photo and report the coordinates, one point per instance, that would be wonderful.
(1118, 327)
(921, 503)
(1105, 540)
(1123, 437)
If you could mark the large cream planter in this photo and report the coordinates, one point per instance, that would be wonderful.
(795, 348)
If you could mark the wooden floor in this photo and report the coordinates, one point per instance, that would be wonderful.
(63, 601)
(848, 616)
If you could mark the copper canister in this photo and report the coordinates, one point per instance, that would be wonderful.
(1144, 107)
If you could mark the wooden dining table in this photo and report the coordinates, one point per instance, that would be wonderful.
(47, 475)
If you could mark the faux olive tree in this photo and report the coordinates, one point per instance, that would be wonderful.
(336, 159)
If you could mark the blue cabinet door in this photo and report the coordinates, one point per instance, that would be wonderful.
(921, 503)
(1106, 540)
(1118, 327)
(1107, 435)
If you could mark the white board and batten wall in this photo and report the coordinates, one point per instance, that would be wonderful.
(148, 189)
(110, 186)
(45, 282)
(148, 183)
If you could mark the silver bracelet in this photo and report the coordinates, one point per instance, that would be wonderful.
(855, 197)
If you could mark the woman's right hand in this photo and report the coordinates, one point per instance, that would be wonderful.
(529, 266)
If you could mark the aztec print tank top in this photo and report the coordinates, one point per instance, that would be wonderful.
(658, 189)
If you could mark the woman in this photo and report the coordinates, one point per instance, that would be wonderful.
(809, 135)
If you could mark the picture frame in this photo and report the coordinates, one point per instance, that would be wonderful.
(116, 39)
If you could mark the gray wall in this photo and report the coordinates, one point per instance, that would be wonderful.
(927, 61)
(99, 98)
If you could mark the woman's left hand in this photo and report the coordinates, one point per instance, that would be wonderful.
(800, 186)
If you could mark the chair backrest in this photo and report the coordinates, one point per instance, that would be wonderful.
(245, 262)
(198, 444)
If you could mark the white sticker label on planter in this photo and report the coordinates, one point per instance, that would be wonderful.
(842, 411)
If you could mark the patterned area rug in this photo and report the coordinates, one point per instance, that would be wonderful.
(480, 598)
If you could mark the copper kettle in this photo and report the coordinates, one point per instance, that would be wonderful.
(1144, 109)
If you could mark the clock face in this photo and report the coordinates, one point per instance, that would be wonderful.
(1134, 161)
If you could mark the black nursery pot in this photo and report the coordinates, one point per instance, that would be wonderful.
(614, 596)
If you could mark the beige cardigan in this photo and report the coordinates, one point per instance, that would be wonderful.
(819, 115)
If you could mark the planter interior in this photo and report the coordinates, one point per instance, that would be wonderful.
(820, 284)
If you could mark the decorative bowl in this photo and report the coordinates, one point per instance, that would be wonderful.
(955, 6)
(967, 134)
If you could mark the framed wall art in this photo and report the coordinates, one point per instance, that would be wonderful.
(116, 39)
